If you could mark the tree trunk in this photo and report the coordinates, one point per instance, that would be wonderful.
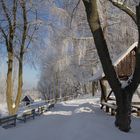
(123, 116)
(9, 89)
(103, 91)
(93, 88)
(20, 84)
(85, 89)
(123, 113)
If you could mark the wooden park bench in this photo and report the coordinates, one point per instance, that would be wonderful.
(41, 110)
(112, 107)
(137, 107)
(50, 106)
(8, 121)
(27, 114)
(109, 107)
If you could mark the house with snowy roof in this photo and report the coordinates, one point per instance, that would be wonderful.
(27, 100)
(124, 65)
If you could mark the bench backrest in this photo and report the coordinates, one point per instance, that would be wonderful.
(7, 118)
(32, 111)
(136, 106)
(109, 105)
(51, 105)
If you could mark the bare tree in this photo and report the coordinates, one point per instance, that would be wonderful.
(15, 31)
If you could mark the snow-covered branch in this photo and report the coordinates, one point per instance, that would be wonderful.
(125, 8)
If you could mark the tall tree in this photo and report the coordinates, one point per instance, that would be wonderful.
(15, 31)
(123, 94)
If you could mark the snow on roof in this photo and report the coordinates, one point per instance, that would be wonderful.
(83, 38)
(122, 55)
(27, 97)
(100, 74)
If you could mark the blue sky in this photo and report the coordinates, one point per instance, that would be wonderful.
(30, 76)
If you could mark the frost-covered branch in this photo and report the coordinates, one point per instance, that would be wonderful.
(125, 8)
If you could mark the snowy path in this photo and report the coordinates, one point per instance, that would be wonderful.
(74, 120)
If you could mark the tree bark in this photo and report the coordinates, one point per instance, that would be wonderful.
(85, 89)
(9, 89)
(20, 59)
(122, 6)
(103, 91)
(20, 84)
(123, 113)
(93, 88)
(124, 108)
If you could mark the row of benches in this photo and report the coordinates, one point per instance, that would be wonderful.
(7, 121)
(111, 107)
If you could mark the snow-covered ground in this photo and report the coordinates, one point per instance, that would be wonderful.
(79, 119)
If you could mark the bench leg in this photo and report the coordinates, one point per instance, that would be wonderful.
(112, 111)
(102, 106)
(40, 111)
(24, 119)
(107, 109)
(15, 122)
(138, 112)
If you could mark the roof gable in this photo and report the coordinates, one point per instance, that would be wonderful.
(27, 98)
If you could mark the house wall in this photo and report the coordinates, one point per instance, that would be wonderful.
(126, 67)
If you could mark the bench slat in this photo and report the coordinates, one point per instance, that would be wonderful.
(138, 109)
(26, 115)
(114, 107)
(8, 120)
(109, 106)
